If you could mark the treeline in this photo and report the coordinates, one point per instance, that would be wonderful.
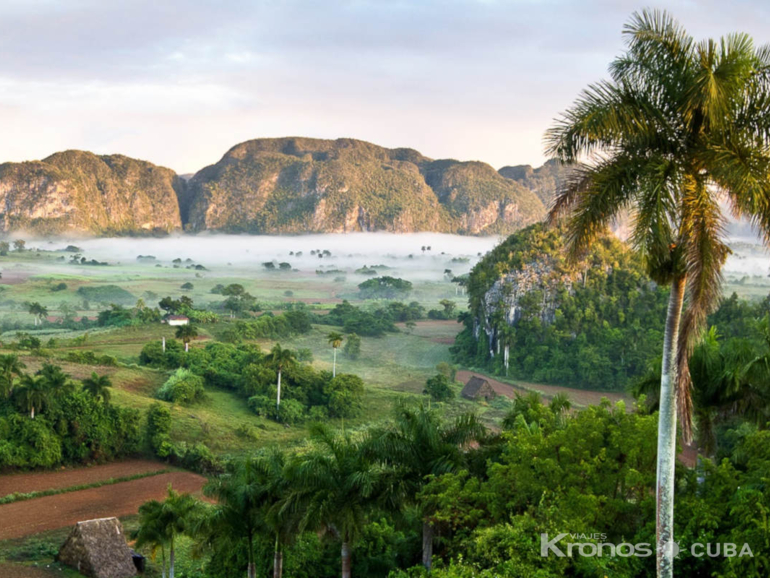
(375, 321)
(48, 419)
(425, 492)
(253, 374)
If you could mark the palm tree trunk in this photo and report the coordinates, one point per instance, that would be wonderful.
(334, 366)
(252, 567)
(427, 545)
(186, 346)
(346, 560)
(32, 412)
(171, 559)
(278, 395)
(277, 560)
(667, 434)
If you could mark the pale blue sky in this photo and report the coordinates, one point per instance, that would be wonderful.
(178, 82)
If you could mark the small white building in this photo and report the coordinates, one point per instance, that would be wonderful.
(175, 320)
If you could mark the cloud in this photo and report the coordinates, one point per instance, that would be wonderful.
(179, 82)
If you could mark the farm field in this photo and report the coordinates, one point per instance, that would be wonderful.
(29, 517)
(28, 482)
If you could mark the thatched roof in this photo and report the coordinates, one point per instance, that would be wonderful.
(98, 549)
(478, 388)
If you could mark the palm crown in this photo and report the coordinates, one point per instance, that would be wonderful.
(680, 127)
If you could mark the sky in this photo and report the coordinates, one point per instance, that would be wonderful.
(179, 82)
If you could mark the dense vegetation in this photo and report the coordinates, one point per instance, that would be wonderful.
(385, 500)
(595, 324)
(47, 419)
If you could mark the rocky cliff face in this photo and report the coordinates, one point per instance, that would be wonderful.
(286, 185)
(80, 192)
(310, 185)
(544, 181)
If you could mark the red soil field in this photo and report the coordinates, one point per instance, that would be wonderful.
(28, 517)
(28, 482)
(19, 571)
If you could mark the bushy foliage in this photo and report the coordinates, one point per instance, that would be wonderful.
(439, 388)
(73, 427)
(183, 387)
(384, 287)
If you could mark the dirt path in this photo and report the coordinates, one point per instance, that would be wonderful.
(581, 397)
(21, 519)
(59, 479)
(19, 571)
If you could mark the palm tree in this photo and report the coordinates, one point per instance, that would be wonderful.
(10, 367)
(186, 333)
(151, 531)
(98, 386)
(239, 513)
(32, 394)
(56, 381)
(38, 310)
(679, 124)
(281, 359)
(419, 444)
(335, 339)
(165, 521)
(334, 486)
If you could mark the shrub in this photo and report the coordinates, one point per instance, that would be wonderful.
(438, 388)
(344, 395)
(182, 387)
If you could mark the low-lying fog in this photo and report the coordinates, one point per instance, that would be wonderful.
(432, 252)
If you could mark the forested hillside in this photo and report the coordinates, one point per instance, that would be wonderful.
(532, 315)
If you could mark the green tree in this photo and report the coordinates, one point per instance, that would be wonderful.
(10, 368)
(679, 124)
(186, 333)
(281, 359)
(151, 531)
(335, 340)
(38, 311)
(166, 521)
(419, 443)
(32, 394)
(334, 487)
(344, 395)
(438, 388)
(98, 386)
(19, 245)
(353, 346)
(4, 248)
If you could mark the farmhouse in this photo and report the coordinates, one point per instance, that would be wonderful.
(98, 549)
(478, 388)
(176, 320)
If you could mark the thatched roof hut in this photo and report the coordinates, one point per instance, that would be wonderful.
(98, 549)
(478, 388)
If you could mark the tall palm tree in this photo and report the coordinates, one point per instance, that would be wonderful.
(239, 512)
(334, 487)
(56, 381)
(166, 521)
(32, 394)
(98, 386)
(419, 443)
(38, 311)
(186, 333)
(10, 368)
(679, 125)
(281, 359)
(335, 340)
(151, 531)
